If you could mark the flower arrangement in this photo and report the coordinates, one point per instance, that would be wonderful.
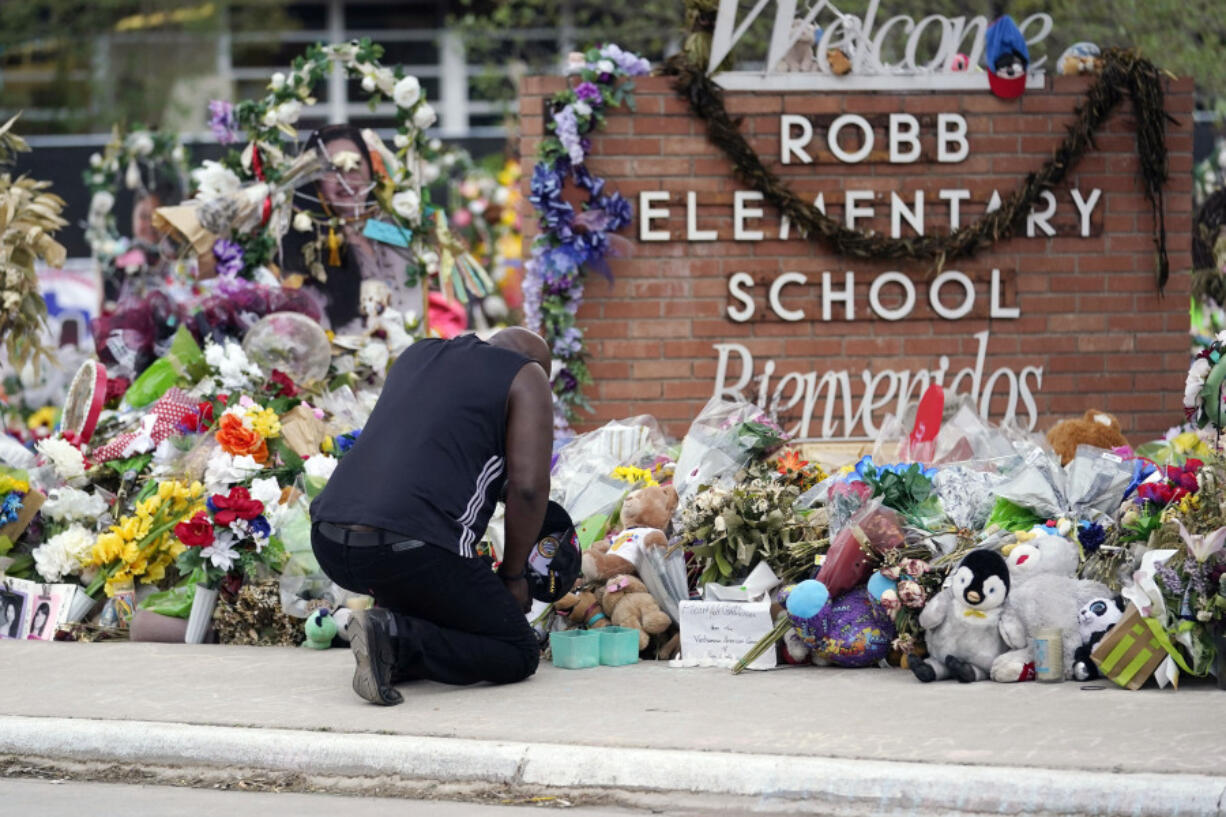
(569, 243)
(139, 155)
(1204, 397)
(269, 125)
(141, 545)
(635, 477)
(729, 530)
(800, 474)
(230, 535)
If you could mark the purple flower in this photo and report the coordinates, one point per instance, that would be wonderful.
(229, 257)
(588, 92)
(569, 343)
(629, 63)
(532, 288)
(222, 121)
(566, 127)
(1169, 578)
(567, 381)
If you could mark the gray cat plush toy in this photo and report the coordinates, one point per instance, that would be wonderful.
(961, 623)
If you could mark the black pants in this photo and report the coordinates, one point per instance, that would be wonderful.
(455, 622)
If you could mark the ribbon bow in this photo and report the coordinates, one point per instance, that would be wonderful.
(974, 613)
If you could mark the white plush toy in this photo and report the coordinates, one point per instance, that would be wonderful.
(962, 622)
(1045, 594)
(800, 57)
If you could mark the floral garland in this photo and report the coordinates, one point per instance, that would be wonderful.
(1204, 397)
(138, 155)
(272, 140)
(569, 242)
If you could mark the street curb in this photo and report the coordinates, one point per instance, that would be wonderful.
(840, 786)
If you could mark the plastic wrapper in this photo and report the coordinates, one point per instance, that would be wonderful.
(1091, 486)
(182, 365)
(665, 578)
(722, 439)
(345, 411)
(967, 495)
(290, 343)
(582, 480)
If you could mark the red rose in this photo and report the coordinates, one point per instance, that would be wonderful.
(196, 532)
(238, 505)
(281, 385)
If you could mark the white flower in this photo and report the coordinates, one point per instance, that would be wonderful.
(1195, 382)
(407, 205)
(401, 141)
(605, 66)
(224, 470)
(302, 222)
(430, 259)
(230, 363)
(385, 80)
(68, 461)
(71, 505)
(581, 108)
(284, 114)
(575, 62)
(141, 143)
(221, 553)
(321, 465)
(95, 160)
(178, 153)
(100, 204)
(368, 83)
(62, 554)
(268, 491)
(132, 177)
(278, 81)
(424, 116)
(214, 180)
(407, 92)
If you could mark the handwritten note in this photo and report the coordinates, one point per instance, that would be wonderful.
(719, 633)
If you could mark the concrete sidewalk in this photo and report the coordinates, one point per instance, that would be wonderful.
(860, 741)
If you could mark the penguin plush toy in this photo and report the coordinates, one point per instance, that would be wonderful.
(961, 622)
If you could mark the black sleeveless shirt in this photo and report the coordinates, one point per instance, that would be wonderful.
(431, 462)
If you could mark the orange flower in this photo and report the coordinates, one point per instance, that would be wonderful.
(238, 440)
(790, 463)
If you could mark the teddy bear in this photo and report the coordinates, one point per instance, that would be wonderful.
(627, 603)
(582, 609)
(644, 516)
(1094, 621)
(1096, 428)
(800, 56)
(961, 622)
(1080, 58)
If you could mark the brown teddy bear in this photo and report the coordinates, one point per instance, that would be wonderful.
(645, 515)
(627, 603)
(1096, 428)
(582, 609)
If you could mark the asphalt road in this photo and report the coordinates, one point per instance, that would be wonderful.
(46, 798)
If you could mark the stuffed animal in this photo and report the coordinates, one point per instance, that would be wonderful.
(853, 630)
(1045, 553)
(375, 303)
(1096, 428)
(1080, 58)
(1094, 621)
(320, 630)
(582, 609)
(800, 56)
(627, 603)
(962, 621)
(1042, 602)
(644, 516)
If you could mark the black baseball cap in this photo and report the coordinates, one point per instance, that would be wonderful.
(555, 560)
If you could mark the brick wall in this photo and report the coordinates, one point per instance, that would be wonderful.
(1090, 314)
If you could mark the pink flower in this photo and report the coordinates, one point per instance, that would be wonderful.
(891, 602)
(911, 594)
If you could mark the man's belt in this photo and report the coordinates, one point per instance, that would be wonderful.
(366, 538)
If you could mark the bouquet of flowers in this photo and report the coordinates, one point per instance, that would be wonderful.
(229, 536)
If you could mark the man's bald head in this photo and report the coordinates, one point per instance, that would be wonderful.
(524, 341)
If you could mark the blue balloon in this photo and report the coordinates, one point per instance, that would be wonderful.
(807, 599)
(878, 584)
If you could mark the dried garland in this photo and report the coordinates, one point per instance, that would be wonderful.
(1123, 73)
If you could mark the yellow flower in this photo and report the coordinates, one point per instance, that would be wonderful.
(327, 446)
(1190, 443)
(43, 418)
(1189, 502)
(155, 572)
(8, 484)
(632, 475)
(264, 422)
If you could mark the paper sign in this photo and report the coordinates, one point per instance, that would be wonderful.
(386, 233)
(719, 633)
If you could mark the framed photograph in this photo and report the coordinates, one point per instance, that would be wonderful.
(44, 616)
(14, 610)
